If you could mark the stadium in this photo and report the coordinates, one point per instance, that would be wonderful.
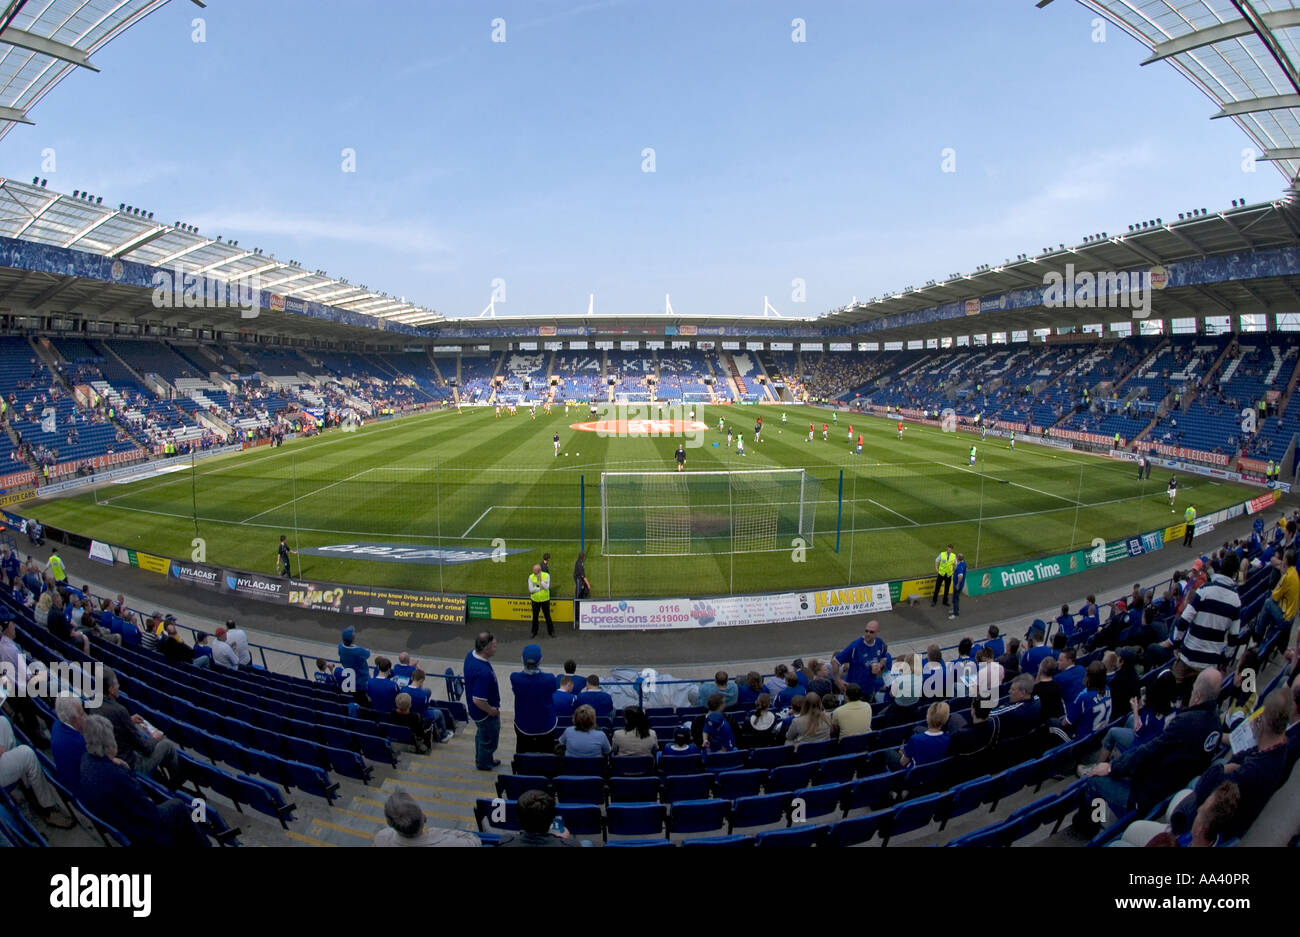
(1004, 559)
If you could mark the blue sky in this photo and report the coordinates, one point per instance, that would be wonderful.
(522, 160)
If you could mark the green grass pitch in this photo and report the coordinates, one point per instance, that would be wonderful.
(471, 479)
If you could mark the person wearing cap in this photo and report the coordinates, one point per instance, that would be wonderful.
(352, 660)
(535, 719)
(223, 655)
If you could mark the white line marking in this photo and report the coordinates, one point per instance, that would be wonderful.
(892, 511)
(475, 524)
(1017, 484)
(314, 491)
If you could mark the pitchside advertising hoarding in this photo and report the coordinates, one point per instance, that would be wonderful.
(731, 610)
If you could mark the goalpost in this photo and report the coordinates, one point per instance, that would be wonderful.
(693, 513)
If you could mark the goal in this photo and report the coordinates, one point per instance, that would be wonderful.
(692, 513)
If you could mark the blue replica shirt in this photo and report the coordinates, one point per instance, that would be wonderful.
(419, 699)
(354, 658)
(1152, 725)
(959, 576)
(534, 712)
(480, 683)
(922, 748)
(1089, 712)
(598, 700)
(402, 673)
(786, 697)
(1033, 657)
(1066, 622)
(718, 736)
(995, 645)
(859, 656)
(563, 704)
(67, 745)
(383, 694)
(1071, 681)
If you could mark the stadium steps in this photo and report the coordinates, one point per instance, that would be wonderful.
(1210, 374)
(1141, 366)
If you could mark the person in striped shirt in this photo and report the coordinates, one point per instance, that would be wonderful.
(1209, 624)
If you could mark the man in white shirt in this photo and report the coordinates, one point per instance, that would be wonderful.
(238, 640)
(223, 655)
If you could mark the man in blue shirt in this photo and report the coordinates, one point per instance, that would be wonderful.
(719, 684)
(382, 689)
(1069, 675)
(356, 672)
(596, 698)
(1090, 710)
(535, 718)
(865, 660)
(484, 699)
(1038, 650)
(421, 705)
(564, 701)
(994, 643)
(963, 670)
(958, 583)
(403, 669)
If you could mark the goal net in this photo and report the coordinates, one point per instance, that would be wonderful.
(689, 513)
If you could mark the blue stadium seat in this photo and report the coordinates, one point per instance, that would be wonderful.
(698, 816)
(635, 819)
(635, 789)
(771, 757)
(312, 780)
(510, 786)
(724, 842)
(965, 798)
(264, 797)
(726, 761)
(641, 843)
(853, 744)
(350, 764)
(995, 835)
(742, 783)
(797, 837)
(840, 768)
(813, 751)
(824, 800)
(861, 829)
(913, 814)
(874, 791)
(499, 815)
(686, 787)
(631, 765)
(680, 764)
(532, 763)
(760, 810)
(579, 789)
(788, 778)
(581, 819)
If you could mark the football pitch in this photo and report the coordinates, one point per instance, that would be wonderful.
(491, 496)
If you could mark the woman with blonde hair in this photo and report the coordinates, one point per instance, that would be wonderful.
(811, 725)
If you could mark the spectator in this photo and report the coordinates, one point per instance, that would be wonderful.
(1146, 721)
(1243, 698)
(143, 750)
(66, 742)
(237, 638)
(563, 700)
(785, 699)
(352, 659)
(719, 684)
(484, 700)
(111, 792)
(223, 655)
(776, 683)
(990, 676)
(1209, 625)
(993, 642)
(864, 661)
(1090, 710)
(1279, 609)
(906, 687)
(1146, 774)
(406, 827)
(1036, 651)
(1010, 659)
(324, 673)
(422, 706)
(760, 729)
(176, 651)
(682, 744)
(535, 719)
(571, 670)
(854, 717)
(636, 738)
(593, 696)
(926, 747)
(821, 679)
(1212, 820)
(963, 671)
(382, 690)
(1023, 713)
(18, 763)
(403, 669)
(583, 739)
(811, 725)
(1069, 675)
(1047, 691)
(748, 691)
(717, 735)
(402, 715)
(977, 738)
(1258, 772)
(202, 649)
(58, 625)
(1122, 678)
(536, 813)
